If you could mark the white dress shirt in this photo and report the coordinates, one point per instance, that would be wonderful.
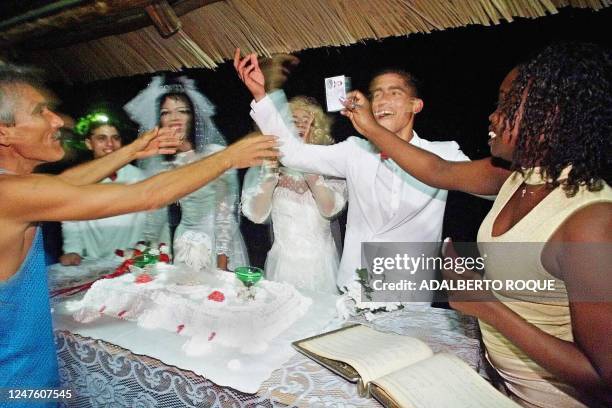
(386, 204)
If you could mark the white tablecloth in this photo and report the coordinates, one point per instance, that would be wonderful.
(105, 375)
(224, 366)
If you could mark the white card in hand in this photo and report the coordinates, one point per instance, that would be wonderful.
(335, 92)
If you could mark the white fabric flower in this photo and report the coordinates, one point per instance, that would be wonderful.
(345, 307)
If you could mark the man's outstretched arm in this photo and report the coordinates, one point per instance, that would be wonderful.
(155, 141)
(49, 198)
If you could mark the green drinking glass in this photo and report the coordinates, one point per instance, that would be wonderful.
(248, 275)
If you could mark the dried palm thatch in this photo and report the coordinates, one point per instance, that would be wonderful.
(210, 33)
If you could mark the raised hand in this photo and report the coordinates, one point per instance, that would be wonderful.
(357, 109)
(250, 74)
(276, 70)
(251, 151)
(156, 141)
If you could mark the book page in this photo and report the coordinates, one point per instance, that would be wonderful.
(442, 381)
(372, 353)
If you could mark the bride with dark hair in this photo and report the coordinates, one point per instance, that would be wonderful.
(208, 235)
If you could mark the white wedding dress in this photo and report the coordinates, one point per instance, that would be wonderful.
(209, 220)
(304, 252)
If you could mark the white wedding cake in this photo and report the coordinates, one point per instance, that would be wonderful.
(207, 309)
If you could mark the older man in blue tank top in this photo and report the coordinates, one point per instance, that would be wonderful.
(29, 132)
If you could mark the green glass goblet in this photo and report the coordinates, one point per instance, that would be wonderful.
(249, 276)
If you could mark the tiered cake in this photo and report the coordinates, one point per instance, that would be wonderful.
(207, 309)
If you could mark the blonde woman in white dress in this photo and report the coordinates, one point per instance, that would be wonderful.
(300, 207)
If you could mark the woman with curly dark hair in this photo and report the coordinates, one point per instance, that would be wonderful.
(553, 124)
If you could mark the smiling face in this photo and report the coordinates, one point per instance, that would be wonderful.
(394, 103)
(311, 123)
(34, 135)
(175, 112)
(503, 137)
(103, 140)
(303, 119)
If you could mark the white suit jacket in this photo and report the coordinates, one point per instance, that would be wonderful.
(418, 208)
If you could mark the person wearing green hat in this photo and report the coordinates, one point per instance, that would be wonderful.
(96, 239)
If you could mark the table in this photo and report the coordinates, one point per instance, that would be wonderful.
(105, 375)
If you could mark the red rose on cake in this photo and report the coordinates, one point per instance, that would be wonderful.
(143, 278)
(216, 296)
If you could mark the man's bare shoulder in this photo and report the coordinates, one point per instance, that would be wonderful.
(13, 188)
(9, 182)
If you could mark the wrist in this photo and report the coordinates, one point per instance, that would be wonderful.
(258, 96)
(129, 151)
(489, 312)
(225, 158)
(375, 130)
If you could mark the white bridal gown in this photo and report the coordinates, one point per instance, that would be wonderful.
(304, 252)
(209, 220)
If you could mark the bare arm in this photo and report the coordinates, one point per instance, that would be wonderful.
(582, 257)
(156, 141)
(49, 198)
(585, 266)
(566, 360)
(476, 177)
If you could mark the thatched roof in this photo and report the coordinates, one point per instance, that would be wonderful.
(210, 32)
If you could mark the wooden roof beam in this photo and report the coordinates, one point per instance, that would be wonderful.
(86, 22)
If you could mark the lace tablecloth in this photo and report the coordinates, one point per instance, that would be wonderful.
(105, 375)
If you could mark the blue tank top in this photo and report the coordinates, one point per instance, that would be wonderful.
(28, 358)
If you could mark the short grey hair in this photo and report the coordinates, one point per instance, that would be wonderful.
(10, 76)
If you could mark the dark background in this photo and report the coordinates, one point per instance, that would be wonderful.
(460, 69)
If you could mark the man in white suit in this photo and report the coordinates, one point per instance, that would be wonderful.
(386, 204)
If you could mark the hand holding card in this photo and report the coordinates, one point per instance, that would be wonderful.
(336, 89)
(357, 108)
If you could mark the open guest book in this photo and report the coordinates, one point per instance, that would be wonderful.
(401, 371)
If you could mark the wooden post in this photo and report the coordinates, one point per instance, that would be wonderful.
(163, 16)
